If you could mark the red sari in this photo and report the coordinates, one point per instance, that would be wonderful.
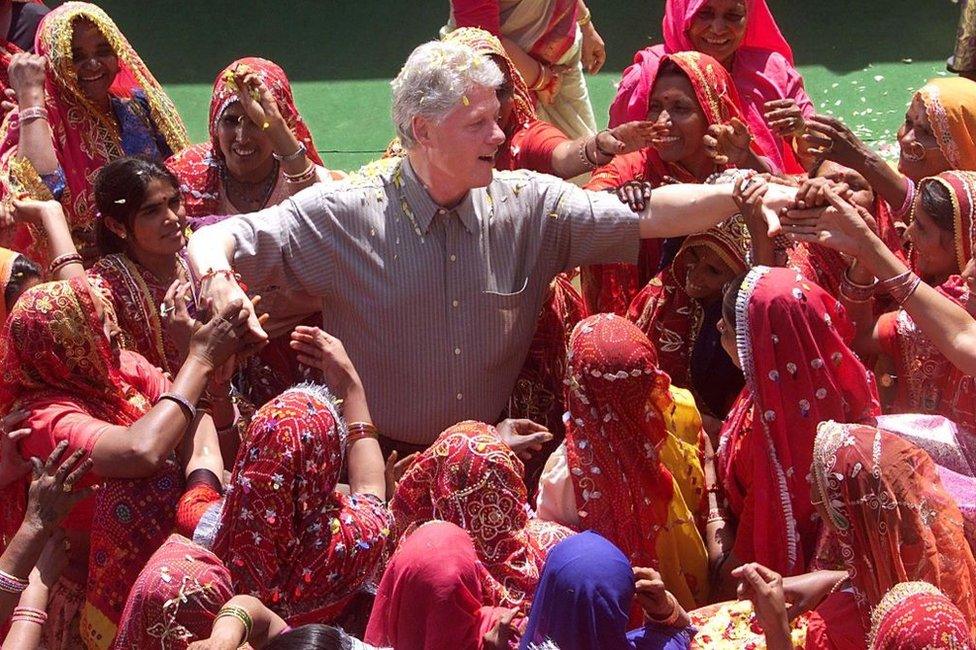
(928, 382)
(85, 136)
(793, 342)
(199, 168)
(611, 287)
(617, 398)
(432, 593)
(889, 519)
(917, 615)
(136, 294)
(286, 535)
(59, 367)
(469, 477)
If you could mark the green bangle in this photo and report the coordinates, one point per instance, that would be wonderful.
(240, 614)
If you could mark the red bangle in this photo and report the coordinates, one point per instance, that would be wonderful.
(231, 275)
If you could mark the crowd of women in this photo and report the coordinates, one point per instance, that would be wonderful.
(760, 435)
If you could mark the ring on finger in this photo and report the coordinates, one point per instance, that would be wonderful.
(67, 487)
(164, 309)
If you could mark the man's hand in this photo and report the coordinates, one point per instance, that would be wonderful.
(524, 437)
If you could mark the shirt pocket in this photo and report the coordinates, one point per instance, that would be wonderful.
(497, 300)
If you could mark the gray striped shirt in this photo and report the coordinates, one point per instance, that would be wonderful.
(435, 307)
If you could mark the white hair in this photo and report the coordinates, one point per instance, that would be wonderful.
(434, 80)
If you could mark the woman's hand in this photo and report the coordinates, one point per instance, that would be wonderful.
(524, 437)
(30, 212)
(214, 343)
(635, 194)
(26, 73)
(838, 226)
(320, 350)
(728, 143)
(630, 136)
(13, 466)
(501, 633)
(256, 100)
(175, 312)
(594, 52)
(764, 587)
(784, 117)
(53, 559)
(651, 593)
(812, 192)
(806, 591)
(52, 495)
(395, 469)
(829, 138)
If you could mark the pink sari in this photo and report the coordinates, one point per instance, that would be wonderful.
(762, 70)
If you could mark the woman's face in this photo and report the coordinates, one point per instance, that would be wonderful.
(246, 147)
(919, 155)
(727, 332)
(94, 60)
(159, 227)
(719, 28)
(707, 273)
(934, 247)
(506, 93)
(674, 105)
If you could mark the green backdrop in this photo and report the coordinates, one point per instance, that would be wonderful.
(860, 60)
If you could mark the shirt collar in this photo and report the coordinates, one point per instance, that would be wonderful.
(425, 208)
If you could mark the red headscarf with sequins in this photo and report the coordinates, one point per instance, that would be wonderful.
(471, 478)
(792, 339)
(915, 615)
(286, 535)
(198, 167)
(886, 509)
(617, 398)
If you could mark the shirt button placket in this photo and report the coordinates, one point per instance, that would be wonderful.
(453, 287)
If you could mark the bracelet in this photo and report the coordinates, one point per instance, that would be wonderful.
(584, 158)
(240, 614)
(714, 514)
(838, 584)
(902, 293)
(62, 261)
(596, 142)
(542, 81)
(12, 584)
(302, 150)
(306, 175)
(854, 292)
(29, 614)
(586, 18)
(360, 430)
(32, 113)
(183, 402)
(671, 618)
(909, 199)
(885, 286)
(230, 275)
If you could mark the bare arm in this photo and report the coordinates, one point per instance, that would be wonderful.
(574, 157)
(318, 349)
(677, 210)
(139, 449)
(229, 631)
(950, 328)
(49, 218)
(36, 140)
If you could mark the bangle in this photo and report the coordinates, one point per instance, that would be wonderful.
(184, 403)
(302, 150)
(885, 286)
(715, 514)
(586, 18)
(32, 113)
(62, 261)
(29, 614)
(304, 176)
(240, 614)
(671, 618)
(909, 199)
(229, 274)
(596, 142)
(902, 294)
(360, 430)
(838, 584)
(584, 157)
(854, 292)
(12, 584)
(542, 81)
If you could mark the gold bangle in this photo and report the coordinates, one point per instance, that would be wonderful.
(240, 614)
(360, 430)
(586, 18)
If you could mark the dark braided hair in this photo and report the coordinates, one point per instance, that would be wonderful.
(22, 271)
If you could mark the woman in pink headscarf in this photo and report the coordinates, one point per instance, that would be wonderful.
(744, 37)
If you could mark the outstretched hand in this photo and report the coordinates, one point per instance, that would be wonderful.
(524, 437)
(839, 226)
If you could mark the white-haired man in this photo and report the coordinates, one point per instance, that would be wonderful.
(432, 268)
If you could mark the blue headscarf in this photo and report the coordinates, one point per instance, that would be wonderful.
(584, 598)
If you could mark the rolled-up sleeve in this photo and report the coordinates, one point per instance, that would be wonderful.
(288, 246)
(591, 227)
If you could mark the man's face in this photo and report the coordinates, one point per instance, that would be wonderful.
(461, 147)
